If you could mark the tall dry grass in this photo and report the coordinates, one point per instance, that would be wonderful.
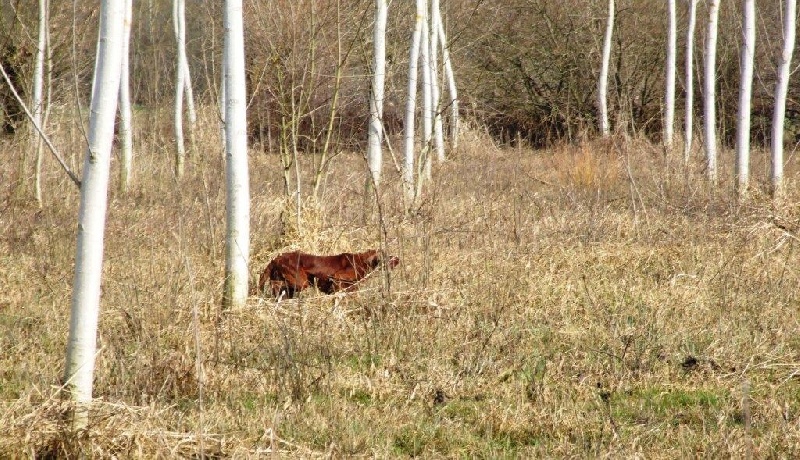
(584, 301)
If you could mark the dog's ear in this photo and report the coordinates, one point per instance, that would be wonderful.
(373, 259)
(393, 262)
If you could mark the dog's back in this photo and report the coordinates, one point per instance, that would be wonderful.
(291, 272)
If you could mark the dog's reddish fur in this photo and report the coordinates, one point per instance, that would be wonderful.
(291, 272)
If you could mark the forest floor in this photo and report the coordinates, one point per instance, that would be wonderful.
(583, 301)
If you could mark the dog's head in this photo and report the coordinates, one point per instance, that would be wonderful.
(374, 260)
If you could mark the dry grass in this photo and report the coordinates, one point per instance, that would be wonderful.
(581, 302)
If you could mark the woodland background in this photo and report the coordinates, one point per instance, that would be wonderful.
(523, 66)
(558, 296)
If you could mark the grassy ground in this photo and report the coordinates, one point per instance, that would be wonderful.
(587, 301)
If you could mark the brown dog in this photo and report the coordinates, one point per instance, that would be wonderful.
(291, 272)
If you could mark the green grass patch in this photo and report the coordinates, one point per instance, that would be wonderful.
(412, 440)
(360, 396)
(359, 362)
(667, 405)
(252, 402)
(464, 410)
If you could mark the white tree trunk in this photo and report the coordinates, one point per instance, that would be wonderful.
(81, 344)
(745, 91)
(781, 88)
(602, 82)
(427, 102)
(669, 96)
(451, 87)
(222, 100)
(710, 83)
(180, 81)
(38, 100)
(237, 241)
(125, 116)
(687, 145)
(191, 113)
(411, 104)
(438, 130)
(375, 141)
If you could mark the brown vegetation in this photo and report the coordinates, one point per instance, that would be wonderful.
(577, 301)
(591, 299)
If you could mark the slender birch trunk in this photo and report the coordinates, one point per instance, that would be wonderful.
(710, 83)
(81, 344)
(237, 242)
(375, 141)
(438, 130)
(411, 104)
(125, 116)
(688, 115)
(223, 102)
(781, 89)
(669, 96)
(745, 92)
(191, 113)
(38, 99)
(180, 81)
(451, 87)
(602, 82)
(427, 103)
(48, 73)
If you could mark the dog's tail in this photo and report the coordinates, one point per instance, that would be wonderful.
(258, 289)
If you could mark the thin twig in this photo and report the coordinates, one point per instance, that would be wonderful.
(389, 147)
(39, 130)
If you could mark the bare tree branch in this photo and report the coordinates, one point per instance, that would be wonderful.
(39, 130)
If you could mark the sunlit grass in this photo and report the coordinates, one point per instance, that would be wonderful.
(583, 301)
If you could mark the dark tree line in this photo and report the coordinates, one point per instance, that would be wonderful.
(526, 68)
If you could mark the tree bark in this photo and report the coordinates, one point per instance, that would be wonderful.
(375, 141)
(223, 101)
(781, 89)
(411, 105)
(180, 82)
(688, 115)
(438, 130)
(602, 82)
(125, 116)
(191, 113)
(451, 87)
(427, 103)
(237, 242)
(669, 96)
(38, 100)
(81, 344)
(745, 92)
(709, 98)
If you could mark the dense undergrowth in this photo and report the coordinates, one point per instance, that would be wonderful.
(593, 300)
